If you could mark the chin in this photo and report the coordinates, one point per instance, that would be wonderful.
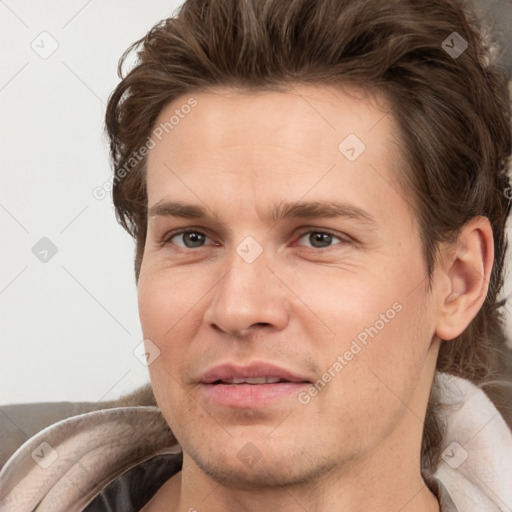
(263, 474)
(259, 464)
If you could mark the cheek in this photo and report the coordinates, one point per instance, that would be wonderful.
(168, 301)
(378, 323)
(171, 303)
(388, 354)
(153, 302)
(161, 307)
(346, 305)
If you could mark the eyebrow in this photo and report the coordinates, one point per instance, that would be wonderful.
(283, 210)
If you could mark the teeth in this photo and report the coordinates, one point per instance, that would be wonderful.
(257, 380)
(252, 380)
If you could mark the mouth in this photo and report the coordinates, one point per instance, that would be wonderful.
(251, 386)
(251, 380)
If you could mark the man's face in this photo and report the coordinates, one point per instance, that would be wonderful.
(336, 307)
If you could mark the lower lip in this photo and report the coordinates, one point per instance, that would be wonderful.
(243, 396)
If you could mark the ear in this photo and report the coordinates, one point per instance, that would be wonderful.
(466, 268)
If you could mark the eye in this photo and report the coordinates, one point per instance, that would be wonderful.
(192, 239)
(187, 239)
(320, 239)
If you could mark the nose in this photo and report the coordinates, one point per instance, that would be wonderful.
(249, 297)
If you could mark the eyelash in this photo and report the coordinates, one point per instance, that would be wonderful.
(166, 240)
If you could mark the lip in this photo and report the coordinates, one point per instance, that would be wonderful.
(256, 369)
(243, 396)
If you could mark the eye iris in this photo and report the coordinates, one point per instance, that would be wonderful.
(324, 239)
(194, 239)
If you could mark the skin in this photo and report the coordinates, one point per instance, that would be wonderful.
(355, 446)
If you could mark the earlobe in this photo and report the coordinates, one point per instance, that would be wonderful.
(467, 268)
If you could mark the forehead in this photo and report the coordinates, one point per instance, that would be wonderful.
(242, 147)
(310, 120)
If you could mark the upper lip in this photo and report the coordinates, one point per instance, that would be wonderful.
(257, 369)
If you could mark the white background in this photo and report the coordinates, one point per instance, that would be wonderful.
(68, 326)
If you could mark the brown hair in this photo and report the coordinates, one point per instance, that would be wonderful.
(453, 111)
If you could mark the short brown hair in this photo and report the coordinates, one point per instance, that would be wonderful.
(453, 112)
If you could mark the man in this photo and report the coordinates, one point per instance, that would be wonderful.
(318, 192)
